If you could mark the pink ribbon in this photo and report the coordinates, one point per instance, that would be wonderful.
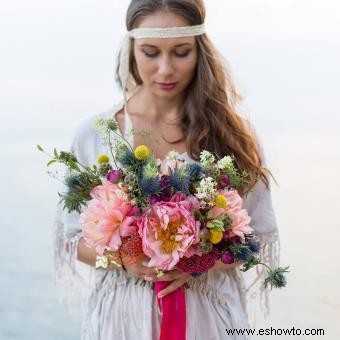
(172, 306)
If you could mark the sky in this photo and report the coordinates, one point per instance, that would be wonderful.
(57, 60)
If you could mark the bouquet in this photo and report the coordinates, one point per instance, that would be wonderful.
(181, 215)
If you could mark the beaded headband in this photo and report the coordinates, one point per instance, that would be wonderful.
(122, 60)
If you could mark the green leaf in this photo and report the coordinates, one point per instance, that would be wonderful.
(221, 218)
(209, 214)
(55, 153)
(216, 224)
(40, 148)
(210, 225)
(51, 161)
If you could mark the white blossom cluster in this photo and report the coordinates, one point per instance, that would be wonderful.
(206, 158)
(224, 162)
(206, 192)
(172, 155)
(101, 127)
(120, 193)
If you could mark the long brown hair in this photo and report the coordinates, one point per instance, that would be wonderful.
(210, 119)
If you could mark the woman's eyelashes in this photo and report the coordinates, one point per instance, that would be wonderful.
(176, 54)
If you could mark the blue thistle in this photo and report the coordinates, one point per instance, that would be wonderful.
(150, 186)
(276, 278)
(254, 246)
(74, 181)
(241, 252)
(195, 171)
(180, 181)
(125, 157)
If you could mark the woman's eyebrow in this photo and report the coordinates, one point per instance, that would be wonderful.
(149, 45)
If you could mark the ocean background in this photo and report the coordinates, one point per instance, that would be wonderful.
(57, 68)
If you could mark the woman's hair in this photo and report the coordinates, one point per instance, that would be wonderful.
(210, 119)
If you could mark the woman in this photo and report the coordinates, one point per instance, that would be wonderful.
(175, 86)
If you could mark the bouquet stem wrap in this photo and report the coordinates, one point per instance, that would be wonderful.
(173, 309)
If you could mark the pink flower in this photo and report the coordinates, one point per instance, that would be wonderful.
(169, 232)
(178, 197)
(170, 164)
(233, 209)
(234, 202)
(240, 225)
(189, 202)
(107, 217)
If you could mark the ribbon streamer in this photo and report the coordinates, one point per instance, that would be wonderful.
(173, 310)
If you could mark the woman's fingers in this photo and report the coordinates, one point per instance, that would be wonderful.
(172, 287)
(166, 276)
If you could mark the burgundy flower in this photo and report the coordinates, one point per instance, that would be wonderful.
(165, 181)
(114, 176)
(226, 234)
(224, 180)
(198, 263)
(153, 199)
(227, 257)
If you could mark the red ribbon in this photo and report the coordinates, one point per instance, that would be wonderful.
(172, 306)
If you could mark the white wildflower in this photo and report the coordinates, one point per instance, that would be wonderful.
(225, 162)
(173, 155)
(122, 194)
(206, 158)
(206, 192)
(101, 127)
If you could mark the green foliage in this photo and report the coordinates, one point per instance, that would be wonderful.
(254, 261)
(276, 278)
(79, 187)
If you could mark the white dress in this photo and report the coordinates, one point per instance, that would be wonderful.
(113, 307)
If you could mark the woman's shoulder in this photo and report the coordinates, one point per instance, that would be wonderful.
(86, 129)
(86, 136)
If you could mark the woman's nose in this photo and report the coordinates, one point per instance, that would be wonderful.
(165, 66)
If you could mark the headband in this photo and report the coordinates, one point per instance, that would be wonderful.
(122, 60)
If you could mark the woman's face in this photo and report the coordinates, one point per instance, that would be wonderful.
(165, 65)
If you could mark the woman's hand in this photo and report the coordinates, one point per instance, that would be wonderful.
(140, 270)
(177, 277)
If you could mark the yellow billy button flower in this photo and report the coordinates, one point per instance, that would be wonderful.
(141, 152)
(220, 201)
(103, 159)
(215, 236)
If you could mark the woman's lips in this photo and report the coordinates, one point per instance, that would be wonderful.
(166, 86)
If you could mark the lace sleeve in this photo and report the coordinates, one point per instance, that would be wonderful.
(70, 275)
(72, 278)
(259, 206)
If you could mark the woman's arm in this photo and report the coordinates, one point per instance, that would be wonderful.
(220, 265)
(85, 254)
(88, 255)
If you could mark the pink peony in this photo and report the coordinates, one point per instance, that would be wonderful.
(169, 232)
(107, 217)
(191, 203)
(234, 202)
(240, 225)
(239, 216)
